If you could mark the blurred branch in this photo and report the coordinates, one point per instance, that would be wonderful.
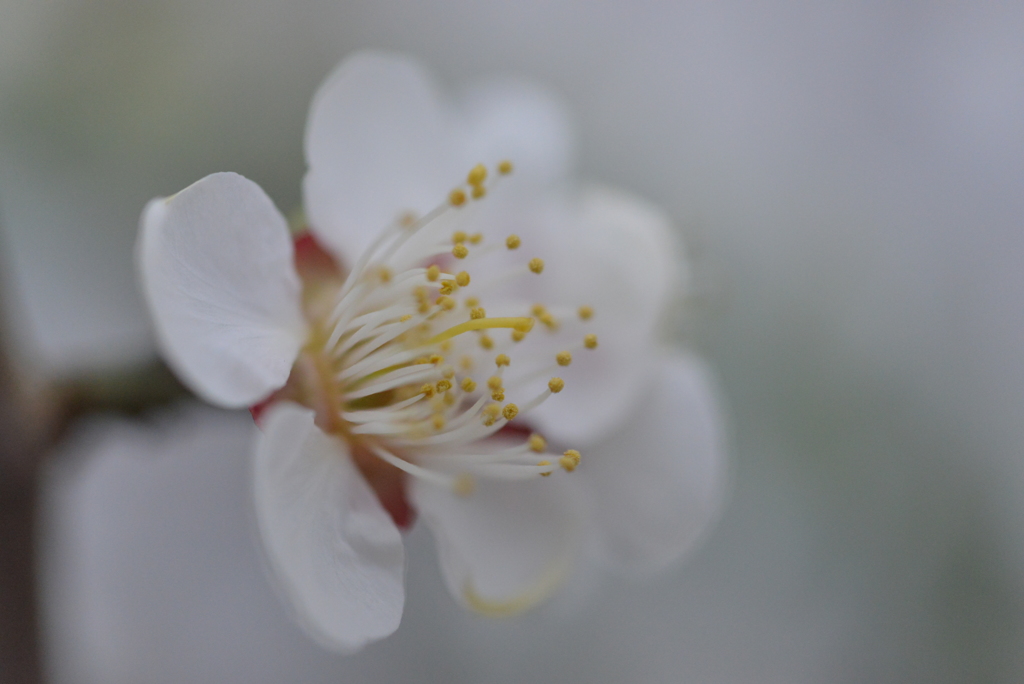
(33, 418)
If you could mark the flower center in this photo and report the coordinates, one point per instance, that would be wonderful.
(410, 366)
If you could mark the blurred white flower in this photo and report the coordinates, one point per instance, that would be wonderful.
(390, 390)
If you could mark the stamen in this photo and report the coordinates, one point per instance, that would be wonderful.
(585, 312)
(590, 341)
(563, 358)
(513, 241)
(570, 460)
(537, 265)
(479, 324)
(477, 175)
(556, 385)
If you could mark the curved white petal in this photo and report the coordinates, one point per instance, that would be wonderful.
(506, 546)
(216, 266)
(517, 120)
(617, 255)
(334, 549)
(377, 145)
(659, 482)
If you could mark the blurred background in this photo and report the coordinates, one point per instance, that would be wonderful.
(849, 179)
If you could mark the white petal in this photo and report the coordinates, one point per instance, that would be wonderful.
(216, 265)
(619, 257)
(517, 120)
(659, 482)
(333, 547)
(506, 546)
(377, 145)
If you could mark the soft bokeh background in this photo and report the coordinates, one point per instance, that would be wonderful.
(849, 177)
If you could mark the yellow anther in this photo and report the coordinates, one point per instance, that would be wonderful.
(502, 360)
(466, 362)
(464, 485)
(486, 342)
(585, 312)
(549, 321)
(478, 191)
(457, 197)
(462, 279)
(447, 287)
(460, 251)
(446, 346)
(590, 341)
(404, 318)
(525, 325)
(421, 293)
(542, 464)
(498, 395)
(569, 460)
(477, 175)
(538, 310)
(504, 167)
(494, 382)
(445, 302)
(537, 443)
(384, 273)
(407, 220)
(478, 312)
(468, 385)
(563, 358)
(449, 399)
(443, 386)
(436, 359)
(472, 302)
(458, 236)
(556, 385)
(433, 273)
(537, 265)
(476, 238)
(510, 411)
(518, 335)
(491, 413)
(513, 241)
(423, 307)
(438, 421)
(427, 390)
(447, 372)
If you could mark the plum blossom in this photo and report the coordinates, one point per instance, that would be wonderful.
(462, 336)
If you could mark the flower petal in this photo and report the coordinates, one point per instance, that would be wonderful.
(617, 255)
(517, 120)
(659, 482)
(506, 546)
(377, 145)
(335, 550)
(215, 262)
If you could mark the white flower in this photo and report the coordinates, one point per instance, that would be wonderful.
(409, 378)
